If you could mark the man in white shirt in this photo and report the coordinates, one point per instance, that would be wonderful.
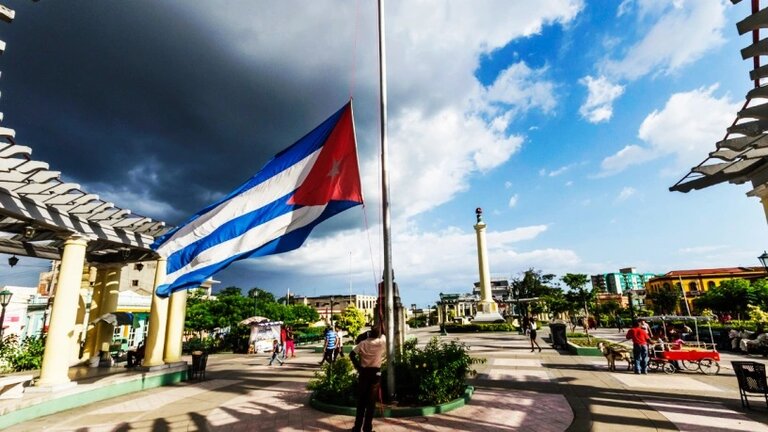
(367, 357)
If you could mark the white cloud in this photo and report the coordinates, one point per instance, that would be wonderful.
(569, 183)
(507, 184)
(665, 48)
(626, 193)
(600, 96)
(701, 249)
(520, 88)
(444, 127)
(512, 201)
(415, 251)
(556, 172)
(624, 7)
(686, 128)
(624, 158)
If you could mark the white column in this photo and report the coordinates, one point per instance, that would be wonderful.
(177, 309)
(109, 297)
(91, 338)
(158, 314)
(55, 368)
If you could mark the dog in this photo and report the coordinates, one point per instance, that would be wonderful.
(615, 352)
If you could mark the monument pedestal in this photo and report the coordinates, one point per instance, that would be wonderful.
(487, 312)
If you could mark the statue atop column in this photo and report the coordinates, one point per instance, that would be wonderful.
(487, 309)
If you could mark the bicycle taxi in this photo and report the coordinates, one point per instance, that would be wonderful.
(691, 354)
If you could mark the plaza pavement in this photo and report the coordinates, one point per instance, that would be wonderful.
(516, 390)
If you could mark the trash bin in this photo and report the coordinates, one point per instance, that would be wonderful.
(557, 333)
(197, 369)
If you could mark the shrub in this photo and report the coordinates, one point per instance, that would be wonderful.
(308, 334)
(207, 344)
(18, 356)
(478, 327)
(435, 374)
(588, 342)
(336, 383)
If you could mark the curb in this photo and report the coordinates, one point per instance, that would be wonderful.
(390, 412)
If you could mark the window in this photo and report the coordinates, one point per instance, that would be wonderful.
(666, 286)
(692, 286)
(710, 285)
(135, 282)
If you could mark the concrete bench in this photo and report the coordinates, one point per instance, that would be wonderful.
(12, 386)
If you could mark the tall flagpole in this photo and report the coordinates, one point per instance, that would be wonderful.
(388, 283)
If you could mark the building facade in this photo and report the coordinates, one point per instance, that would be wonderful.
(695, 282)
(329, 305)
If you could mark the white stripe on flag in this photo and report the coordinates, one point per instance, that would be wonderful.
(251, 239)
(279, 185)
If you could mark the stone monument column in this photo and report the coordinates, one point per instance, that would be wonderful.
(487, 309)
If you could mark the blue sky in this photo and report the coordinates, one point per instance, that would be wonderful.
(566, 120)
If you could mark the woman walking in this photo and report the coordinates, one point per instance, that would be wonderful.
(532, 333)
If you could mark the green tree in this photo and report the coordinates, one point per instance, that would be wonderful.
(230, 291)
(665, 301)
(261, 295)
(760, 287)
(731, 296)
(533, 284)
(577, 284)
(198, 315)
(351, 320)
(305, 314)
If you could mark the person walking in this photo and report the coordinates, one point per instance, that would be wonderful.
(275, 353)
(283, 340)
(619, 323)
(339, 351)
(289, 342)
(640, 340)
(329, 347)
(367, 357)
(532, 333)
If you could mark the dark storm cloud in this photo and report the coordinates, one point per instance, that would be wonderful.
(98, 89)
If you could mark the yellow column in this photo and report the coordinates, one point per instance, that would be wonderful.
(177, 309)
(109, 297)
(158, 314)
(80, 325)
(91, 342)
(55, 368)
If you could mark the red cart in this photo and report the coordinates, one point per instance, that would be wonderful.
(702, 357)
(693, 355)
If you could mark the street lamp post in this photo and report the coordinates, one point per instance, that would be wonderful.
(5, 299)
(764, 260)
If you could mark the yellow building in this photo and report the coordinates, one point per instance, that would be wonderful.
(697, 281)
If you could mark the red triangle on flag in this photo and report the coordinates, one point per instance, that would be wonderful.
(335, 176)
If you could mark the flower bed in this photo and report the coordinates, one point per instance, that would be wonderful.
(586, 346)
(429, 380)
(478, 327)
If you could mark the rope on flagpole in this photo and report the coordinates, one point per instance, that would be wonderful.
(355, 37)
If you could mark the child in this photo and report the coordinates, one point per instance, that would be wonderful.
(275, 352)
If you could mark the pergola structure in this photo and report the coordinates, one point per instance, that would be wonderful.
(44, 217)
(742, 155)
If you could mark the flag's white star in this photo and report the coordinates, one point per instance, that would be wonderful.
(334, 169)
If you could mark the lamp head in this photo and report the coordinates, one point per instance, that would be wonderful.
(764, 260)
(5, 297)
(12, 261)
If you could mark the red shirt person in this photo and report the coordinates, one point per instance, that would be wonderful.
(640, 341)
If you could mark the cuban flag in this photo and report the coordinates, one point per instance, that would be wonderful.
(273, 212)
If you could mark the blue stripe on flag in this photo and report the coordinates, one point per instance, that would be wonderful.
(285, 243)
(229, 230)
